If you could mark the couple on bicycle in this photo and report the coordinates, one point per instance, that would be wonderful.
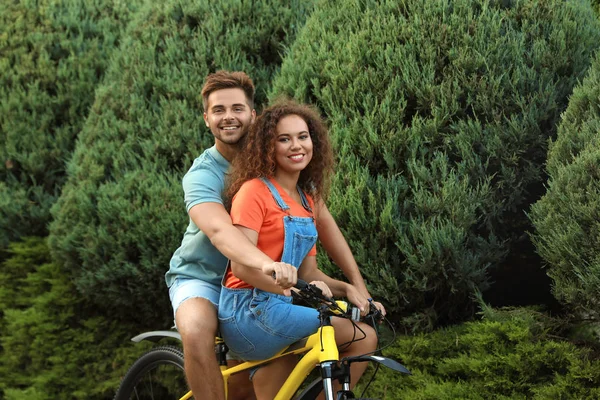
(270, 172)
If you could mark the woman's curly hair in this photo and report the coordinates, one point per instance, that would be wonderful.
(257, 157)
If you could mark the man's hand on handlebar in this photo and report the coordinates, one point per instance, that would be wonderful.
(285, 275)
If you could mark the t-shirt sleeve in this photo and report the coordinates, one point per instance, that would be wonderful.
(201, 186)
(248, 206)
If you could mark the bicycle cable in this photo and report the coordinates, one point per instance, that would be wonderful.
(380, 351)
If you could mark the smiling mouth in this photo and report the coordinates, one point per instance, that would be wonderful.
(296, 157)
(229, 128)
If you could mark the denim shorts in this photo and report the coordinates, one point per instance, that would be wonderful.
(257, 325)
(188, 288)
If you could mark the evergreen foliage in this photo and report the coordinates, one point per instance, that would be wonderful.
(121, 214)
(567, 218)
(53, 54)
(53, 345)
(440, 112)
(510, 354)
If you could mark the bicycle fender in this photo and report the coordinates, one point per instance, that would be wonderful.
(155, 336)
(387, 362)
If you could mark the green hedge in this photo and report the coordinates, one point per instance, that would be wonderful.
(440, 113)
(121, 214)
(567, 218)
(509, 354)
(53, 345)
(53, 54)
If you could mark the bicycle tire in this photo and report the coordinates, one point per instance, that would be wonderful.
(158, 374)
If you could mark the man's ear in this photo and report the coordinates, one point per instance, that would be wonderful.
(205, 119)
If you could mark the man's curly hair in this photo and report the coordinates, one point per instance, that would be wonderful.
(257, 157)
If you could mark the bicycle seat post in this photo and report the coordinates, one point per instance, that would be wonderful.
(221, 350)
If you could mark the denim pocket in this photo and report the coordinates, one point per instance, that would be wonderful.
(259, 303)
(236, 341)
(301, 245)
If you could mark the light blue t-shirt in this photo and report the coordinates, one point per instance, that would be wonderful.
(197, 257)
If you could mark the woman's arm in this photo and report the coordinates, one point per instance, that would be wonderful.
(309, 272)
(337, 248)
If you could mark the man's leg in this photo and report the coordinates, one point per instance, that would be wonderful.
(196, 321)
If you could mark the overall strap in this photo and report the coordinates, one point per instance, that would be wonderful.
(275, 194)
(305, 202)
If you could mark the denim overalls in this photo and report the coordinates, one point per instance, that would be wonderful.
(256, 324)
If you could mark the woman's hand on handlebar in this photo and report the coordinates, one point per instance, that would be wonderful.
(379, 307)
(360, 301)
(324, 288)
(356, 298)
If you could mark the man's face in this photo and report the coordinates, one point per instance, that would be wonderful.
(228, 115)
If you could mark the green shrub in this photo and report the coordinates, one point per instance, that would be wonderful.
(121, 214)
(567, 218)
(440, 113)
(53, 345)
(510, 354)
(596, 7)
(53, 54)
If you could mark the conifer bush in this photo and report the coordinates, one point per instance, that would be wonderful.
(510, 354)
(567, 217)
(440, 112)
(53, 54)
(53, 346)
(121, 214)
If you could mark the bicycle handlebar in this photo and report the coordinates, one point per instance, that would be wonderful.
(313, 292)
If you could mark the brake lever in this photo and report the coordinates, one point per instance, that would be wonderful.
(375, 313)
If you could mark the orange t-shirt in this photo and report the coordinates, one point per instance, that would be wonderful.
(254, 207)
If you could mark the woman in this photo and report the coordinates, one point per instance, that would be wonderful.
(277, 184)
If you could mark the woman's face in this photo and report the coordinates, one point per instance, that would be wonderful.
(293, 145)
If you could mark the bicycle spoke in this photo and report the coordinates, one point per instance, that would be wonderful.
(155, 376)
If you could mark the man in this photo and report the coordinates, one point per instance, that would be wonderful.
(197, 266)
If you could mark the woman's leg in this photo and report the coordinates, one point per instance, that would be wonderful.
(268, 379)
(239, 386)
(345, 332)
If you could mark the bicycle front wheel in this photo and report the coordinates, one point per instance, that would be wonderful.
(158, 374)
(312, 390)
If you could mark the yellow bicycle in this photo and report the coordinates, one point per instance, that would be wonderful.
(160, 371)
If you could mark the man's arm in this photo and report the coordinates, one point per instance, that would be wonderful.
(253, 276)
(215, 222)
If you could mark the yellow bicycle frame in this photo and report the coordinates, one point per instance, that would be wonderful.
(319, 347)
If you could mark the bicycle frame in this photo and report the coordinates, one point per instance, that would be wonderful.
(319, 348)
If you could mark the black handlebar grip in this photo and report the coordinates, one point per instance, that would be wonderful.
(300, 284)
